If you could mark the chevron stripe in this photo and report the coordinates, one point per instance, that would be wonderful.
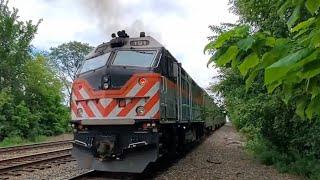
(96, 106)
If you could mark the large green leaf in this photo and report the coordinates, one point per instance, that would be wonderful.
(224, 37)
(249, 62)
(315, 39)
(279, 69)
(283, 8)
(312, 5)
(270, 41)
(310, 69)
(229, 55)
(313, 107)
(214, 57)
(209, 46)
(237, 32)
(303, 25)
(241, 31)
(310, 58)
(246, 43)
(271, 87)
(287, 92)
(294, 16)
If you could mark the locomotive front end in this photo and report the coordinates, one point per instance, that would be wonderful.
(115, 106)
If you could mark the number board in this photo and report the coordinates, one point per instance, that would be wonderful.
(139, 43)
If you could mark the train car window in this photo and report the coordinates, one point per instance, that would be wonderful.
(94, 63)
(163, 64)
(170, 66)
(135, 58)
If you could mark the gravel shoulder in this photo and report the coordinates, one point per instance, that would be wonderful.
(221, 156)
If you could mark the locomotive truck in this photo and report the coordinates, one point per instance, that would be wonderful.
(132, 103)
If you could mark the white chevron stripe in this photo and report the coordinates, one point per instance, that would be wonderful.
(105, 102)
(84, 94)
(114, 112)
(152, 92)
(94, 109)
(136, 88)
(153, 111)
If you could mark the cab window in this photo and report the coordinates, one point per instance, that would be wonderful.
(135, 58)
(94, 63)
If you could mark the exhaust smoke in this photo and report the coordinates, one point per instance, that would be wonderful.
(114, 15)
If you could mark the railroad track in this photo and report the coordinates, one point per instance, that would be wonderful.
(33, 146)
(16, 166)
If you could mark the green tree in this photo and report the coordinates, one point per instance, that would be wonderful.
(43, 96)
(269, 80)
(290, 64)
(30, 95)
(261, 15)
(66, 59)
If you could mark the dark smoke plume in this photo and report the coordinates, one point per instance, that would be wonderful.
(112, 15)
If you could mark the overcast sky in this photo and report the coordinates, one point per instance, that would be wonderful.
(180, 25)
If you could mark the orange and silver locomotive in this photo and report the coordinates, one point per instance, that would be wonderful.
(132, 102)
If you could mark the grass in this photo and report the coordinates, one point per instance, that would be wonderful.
(16, 141)
(304, 165)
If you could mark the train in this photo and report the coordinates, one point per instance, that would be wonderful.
(132, 103)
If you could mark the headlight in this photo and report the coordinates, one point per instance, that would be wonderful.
(105, 85)
(140, 110)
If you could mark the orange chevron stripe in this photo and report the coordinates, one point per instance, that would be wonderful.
(84, 104)
(106, 111)
(87, 109)
(134, 102)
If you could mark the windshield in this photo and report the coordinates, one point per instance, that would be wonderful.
(135, 58)
(94, 63)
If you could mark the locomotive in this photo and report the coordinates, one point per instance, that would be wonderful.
(132, 102)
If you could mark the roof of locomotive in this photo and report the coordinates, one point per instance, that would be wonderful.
(146, 42)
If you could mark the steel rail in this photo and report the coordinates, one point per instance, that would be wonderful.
(28, 160)
(32, 146)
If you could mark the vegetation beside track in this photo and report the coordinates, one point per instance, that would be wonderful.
(269, 80)
(34, 84)
(30, 94)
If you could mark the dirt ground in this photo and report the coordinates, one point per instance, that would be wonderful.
(221, 156)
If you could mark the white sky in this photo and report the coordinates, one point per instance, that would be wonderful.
(182, 26)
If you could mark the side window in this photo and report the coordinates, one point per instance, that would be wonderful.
(164, 67)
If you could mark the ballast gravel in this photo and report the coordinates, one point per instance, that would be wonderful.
(221, 156)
